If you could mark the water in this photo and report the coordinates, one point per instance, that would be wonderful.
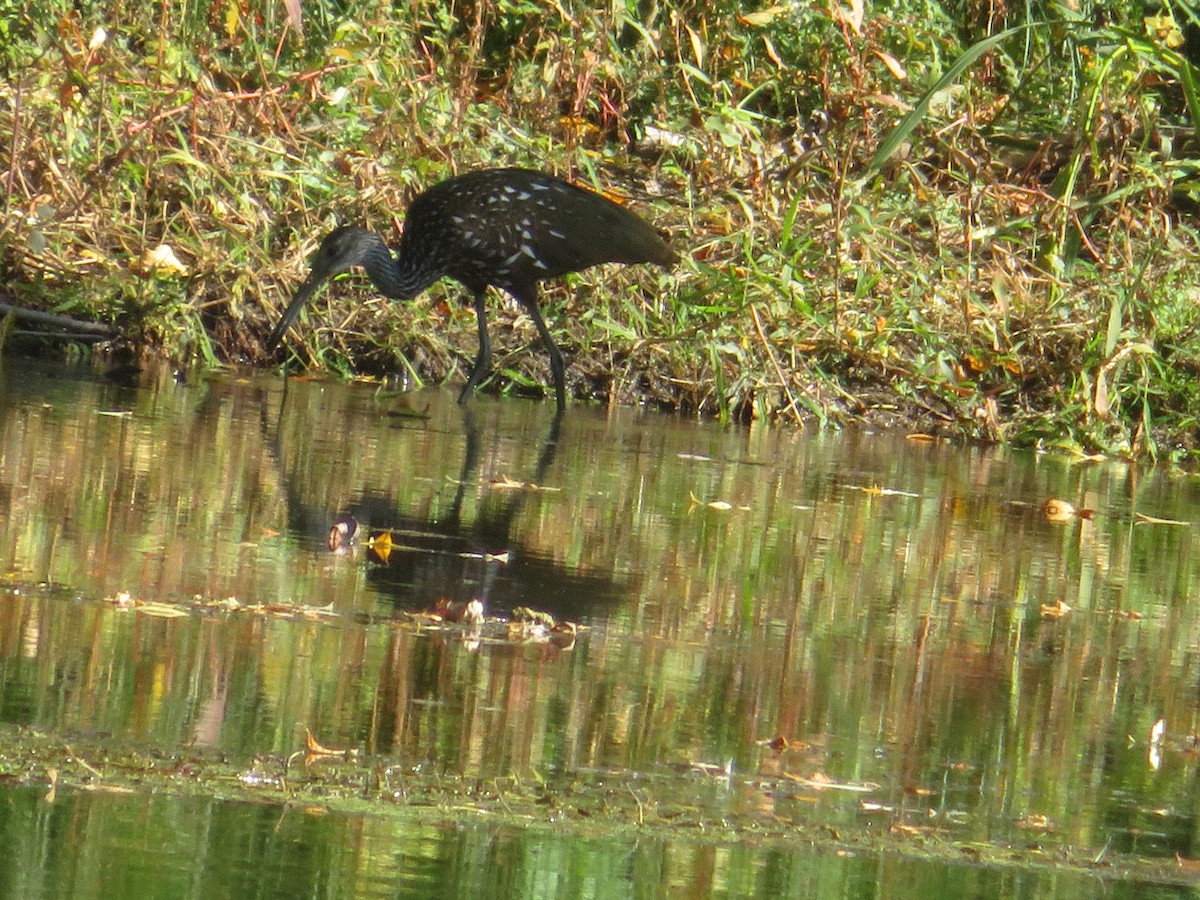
(809, 665)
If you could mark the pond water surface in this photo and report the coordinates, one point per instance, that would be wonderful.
(797, 664)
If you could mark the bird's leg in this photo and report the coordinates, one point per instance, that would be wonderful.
(483, 359)
(557, 367)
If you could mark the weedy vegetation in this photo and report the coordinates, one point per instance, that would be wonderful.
(968, 218)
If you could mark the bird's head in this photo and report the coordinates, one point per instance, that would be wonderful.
(343, 248)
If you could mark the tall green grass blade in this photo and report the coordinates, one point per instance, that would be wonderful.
(909, 123)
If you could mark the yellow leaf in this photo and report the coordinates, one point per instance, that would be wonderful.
(1058, 510)
(763, 16)
(161, 261)
(232, 20)
(161, 610)
(852, 16)
(1055, 610)
(314, 749)
(894, 65)
(1100, 399)
(1035, 821)
(697, 46)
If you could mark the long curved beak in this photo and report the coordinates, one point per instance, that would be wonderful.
(303, 294)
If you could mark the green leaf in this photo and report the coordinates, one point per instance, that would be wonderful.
(908, 124)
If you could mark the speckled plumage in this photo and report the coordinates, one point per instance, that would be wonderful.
(509, 228)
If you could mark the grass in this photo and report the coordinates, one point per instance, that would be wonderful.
(934, 248)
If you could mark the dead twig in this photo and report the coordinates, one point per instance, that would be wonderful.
(762, 336)
(57, 321)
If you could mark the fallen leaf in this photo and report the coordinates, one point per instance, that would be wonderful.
(160, 261)
(563, 635)
(1058, 511)
(1055, 610)
(1142, 519)
(380, 546)
(852, 16)
(315, 749)
(875, 490)
(711, 504)
(894, 65)
(1035, 822)
(763, 16)
(487, 557)
(161, 610)
(343, 532)
(821, 781)
(528, 614)
(469, 612)
(1157, 731)
(506, 483)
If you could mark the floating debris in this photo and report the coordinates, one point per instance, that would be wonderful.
(1059, 511)
(876, 490)
(380, 546)
(821, 781)
(1055, 610)
(534, 626)
(314, 751)
(528, 615)
(506, 483)
(343, 532)
(468, 612)
(1034, 822)
(719, 505)
(1143, 519)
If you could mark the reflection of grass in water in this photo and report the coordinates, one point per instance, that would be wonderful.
(871, 602)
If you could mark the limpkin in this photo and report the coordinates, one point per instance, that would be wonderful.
(510, 228)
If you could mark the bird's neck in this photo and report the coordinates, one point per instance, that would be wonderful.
(400, 279)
